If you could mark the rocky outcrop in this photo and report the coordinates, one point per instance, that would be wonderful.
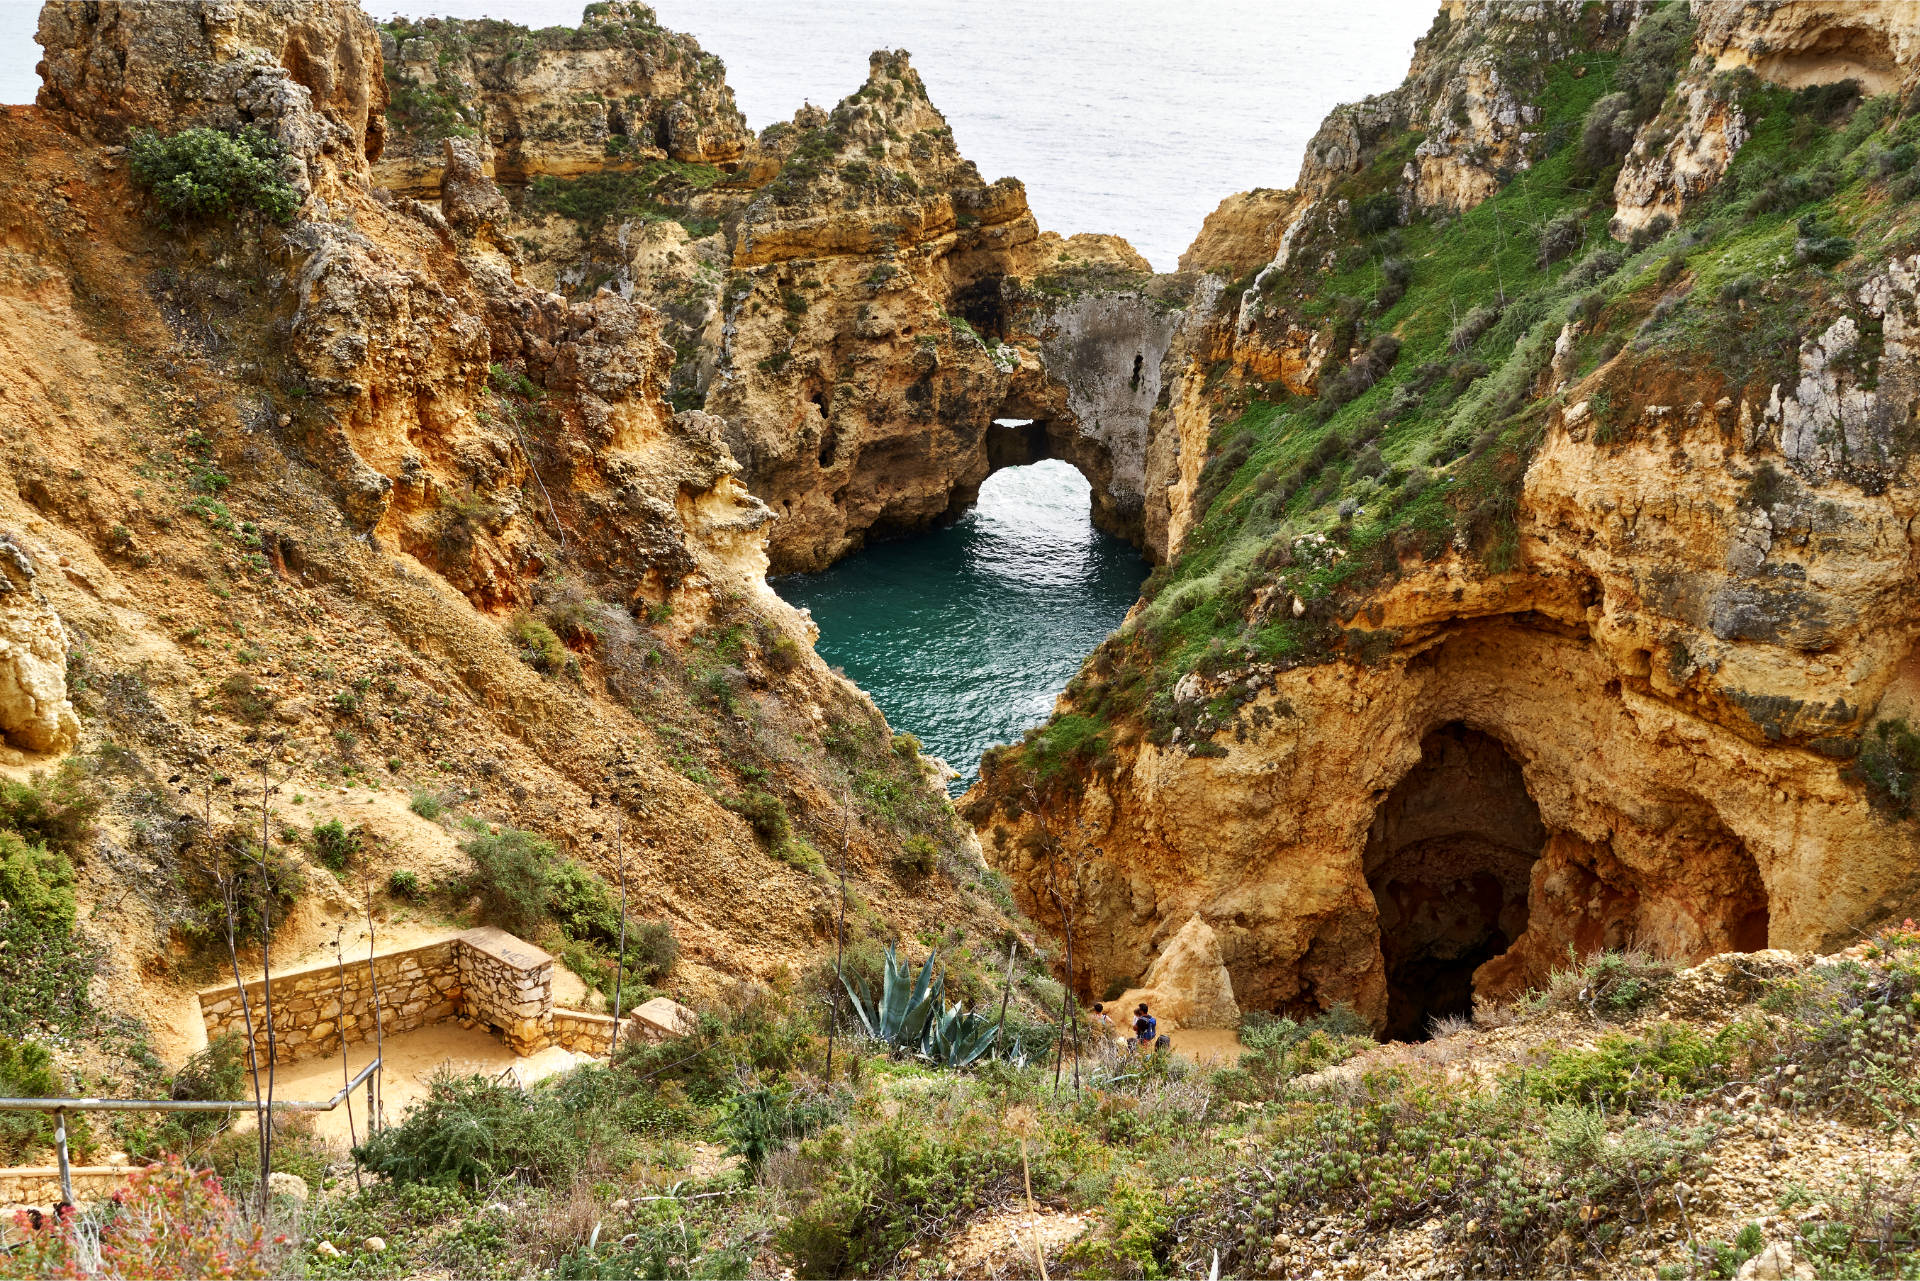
(310, 70)
(616, 93)
(35, 712)
(881, 319)
(1812, 42)
(1188, 985)
(1242, 234)
(1638, 731)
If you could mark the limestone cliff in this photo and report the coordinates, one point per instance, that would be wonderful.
(1535, 593)
(613, 94)
(344, 495)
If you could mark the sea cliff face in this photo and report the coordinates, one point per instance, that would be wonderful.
(346, 496)
(1548, 584)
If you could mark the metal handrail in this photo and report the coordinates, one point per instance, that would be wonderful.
(60, 1108)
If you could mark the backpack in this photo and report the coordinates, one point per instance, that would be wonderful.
(1152, 1026)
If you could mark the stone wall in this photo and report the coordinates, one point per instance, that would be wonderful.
(507, 983)
(39, 1185)
(585, 1033)
(485, 974)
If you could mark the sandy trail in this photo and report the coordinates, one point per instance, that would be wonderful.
(412, 1060)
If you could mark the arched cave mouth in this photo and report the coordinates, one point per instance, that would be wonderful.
(1449, 859)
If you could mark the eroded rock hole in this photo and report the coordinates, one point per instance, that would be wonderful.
(1448, 859)
(1139, 362)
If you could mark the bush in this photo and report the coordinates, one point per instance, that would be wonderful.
(1395, 276)
(217, 1072)
(511, 874)
(1559, 238)
(56, 810)
(36, 884)
(168, 1221)
(1623, 1072)
(1818, 245)
(765, 813)
(402, 883)
(1888, 764)
(233, 860)
(27, 1072)
(333, 845)
(582, 904)
(651, 950)
(205, 173)
(1471, 326)
(916, 858)
(540, 649)
(471, 1131)
(427, 805)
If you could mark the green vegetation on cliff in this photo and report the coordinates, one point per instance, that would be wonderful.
(1442, 374)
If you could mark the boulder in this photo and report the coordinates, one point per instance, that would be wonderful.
(1188, 985)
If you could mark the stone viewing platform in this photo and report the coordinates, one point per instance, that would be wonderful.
(485, 975)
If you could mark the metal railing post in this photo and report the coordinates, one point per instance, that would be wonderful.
(60, 1146)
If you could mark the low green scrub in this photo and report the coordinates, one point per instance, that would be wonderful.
(473, 1131)
(526, 886)
(27, 1072)
(1628, 1072)
(651, 194)
(1887, 766)
(210, 174)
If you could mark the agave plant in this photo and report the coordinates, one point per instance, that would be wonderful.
(912, 1016)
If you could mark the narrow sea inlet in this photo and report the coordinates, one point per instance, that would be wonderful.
(966, 635)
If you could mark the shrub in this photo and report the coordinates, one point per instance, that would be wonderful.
(1816, 244)
(473, 1130)
(581, 903)
(217, 1072)
(402, 883)
(1470, 327)
(427, 805)
(36, 884)
(1395, 276)
(651, 950)
(1606, 985)
(1559, 238)
(1888, 764)
(168, 1221)
(540, 649)
(916, 858)
(232, 860)
(27, 1072)
(205, 173)
(765, 813)
(333, 845)
(511, 875)
(1622, 1071)
(57, 810)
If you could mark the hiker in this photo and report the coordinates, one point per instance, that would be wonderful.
(1145, 1026)
(1106, 1019)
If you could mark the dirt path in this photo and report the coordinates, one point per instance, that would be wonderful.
(412, 1060)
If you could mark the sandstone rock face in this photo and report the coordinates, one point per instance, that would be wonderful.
(1188, 985)
(616, 93)
(1676, 161)
(310, 71)
(1242, 234)
(35, 713)
(856, 391)
(1812, 42)
(1629, 738)
(395, 315)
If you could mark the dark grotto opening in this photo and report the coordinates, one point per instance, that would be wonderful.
(1449, 859)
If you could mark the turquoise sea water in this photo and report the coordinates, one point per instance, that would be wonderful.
(966, 635)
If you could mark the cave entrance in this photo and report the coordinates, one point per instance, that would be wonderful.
(1449, 858)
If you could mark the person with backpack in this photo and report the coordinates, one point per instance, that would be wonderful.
(1145, 1026)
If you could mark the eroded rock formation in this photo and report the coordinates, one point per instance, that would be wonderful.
(1632, 732)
